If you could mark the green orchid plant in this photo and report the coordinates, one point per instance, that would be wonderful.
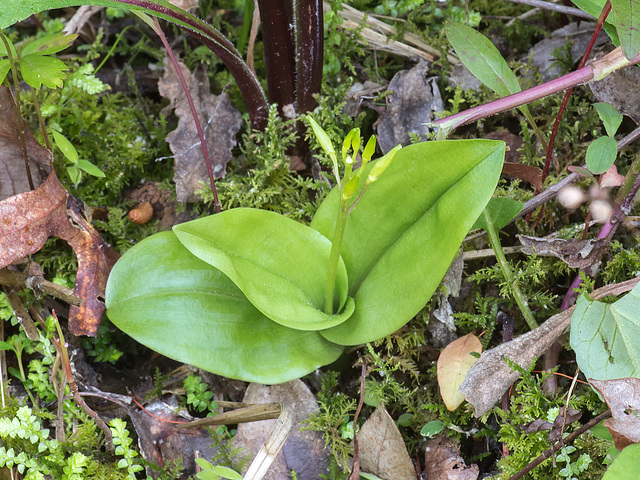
(253, 295)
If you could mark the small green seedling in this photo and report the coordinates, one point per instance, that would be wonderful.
(209, 472)
(602, 152)
(431, 429)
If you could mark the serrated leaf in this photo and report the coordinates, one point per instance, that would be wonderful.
(90, 168)
(405, 232)
(606, 337)
(279, 264)
(626, 15)
(499, 211)
(601, 154)
(38, 70)
(610, 117)
(169, 300)
(49, 44)
(453, 364)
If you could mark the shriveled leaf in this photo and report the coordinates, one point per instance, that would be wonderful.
(279, 264)
(606, 337)
(405, 232)
(38, 70)
(601, 154)
(575, 253)
(28, 219)
(178, 305)
(623, 397)
(498, 212)
(610, 117)
(303, 451)
(48, 44)
(565, 417)
(626, 14)
(442, 461)
(219, 119)
(13, 173)
(382, 448)
(528, 173)
(626, 465)
(453, 364)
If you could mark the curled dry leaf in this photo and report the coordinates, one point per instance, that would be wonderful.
(455, 361)
(28, 219)
(442, 461)
(382, 448)
(565, 417)
(575, 253)
(13, 172)
(220, 121)
(623, 397)
(490, 377)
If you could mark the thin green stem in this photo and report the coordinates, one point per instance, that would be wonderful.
(334, 257)
(519, 297)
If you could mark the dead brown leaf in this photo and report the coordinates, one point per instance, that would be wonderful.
(623, 397)
(566, 416)
(13, 172)
(220, 121)
(28, 219)
(528, 173)
(410, 106)
(490, 377)
(303, 451)
(442, 461)
(575, 253)
(382, 449)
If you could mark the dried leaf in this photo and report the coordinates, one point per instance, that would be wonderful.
(382, 448)
(442, 461)
(453, 365)
(528, 173)
(623, 397)
(303, 451)
(575, 253)
(538, 425)
(565, 418)
(28, 219)
(220, 121)
(13, 172)
(410, 106)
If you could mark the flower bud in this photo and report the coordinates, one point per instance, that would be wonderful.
(382, 164)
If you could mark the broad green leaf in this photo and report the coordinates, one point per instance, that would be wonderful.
(174, 303)
(593, 8)
(49, 44)
(226, 472)
(40, 70)
(482, 59)
(90, 168)
(499, 211)
(5, 66)
(65, 146)
(403, 235)
(626, 464)
(606, 337)
(610, 117)
(279, 264)
(626, 15)
(601, 154)
(3, 48)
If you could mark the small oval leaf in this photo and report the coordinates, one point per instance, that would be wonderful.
(601, 154)
(453, 364)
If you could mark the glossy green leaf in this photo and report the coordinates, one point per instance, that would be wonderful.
(601, 154)
(499, 211)
(482, 59)
(626, 16)
(402, 236)
(626, 464)
(49, 44)
(38, 70)
(65, 146)
(606, 337)
(90, 168)
(279, 264)
(174, 303)
(610, 117)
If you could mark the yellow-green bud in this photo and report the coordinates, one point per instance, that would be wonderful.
(351, 187)
(382, 164)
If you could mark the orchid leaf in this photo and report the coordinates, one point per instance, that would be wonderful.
(170, 301)
(405, 232)
(606, 337)
(498, 213)
(279, 264)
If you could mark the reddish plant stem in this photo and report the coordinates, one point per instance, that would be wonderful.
(194, 113)
(565, 100)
